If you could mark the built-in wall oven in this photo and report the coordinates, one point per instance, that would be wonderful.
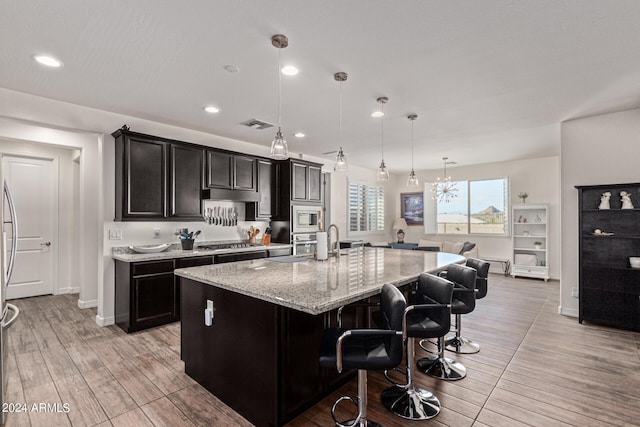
(304, 243)
(305, 223)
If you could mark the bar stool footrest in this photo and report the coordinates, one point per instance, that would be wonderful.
(442, 368)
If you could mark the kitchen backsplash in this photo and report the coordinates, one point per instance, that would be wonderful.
(142, 233)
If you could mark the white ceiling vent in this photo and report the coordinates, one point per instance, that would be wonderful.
(257, 124)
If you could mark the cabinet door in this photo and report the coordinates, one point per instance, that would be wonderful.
(145, 180)
(154, 300)
(298, 181)
(265, 179)
(186, 182)
(244, 173)
(315, 183)
(219, 169)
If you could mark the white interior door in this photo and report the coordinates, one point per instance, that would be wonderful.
(33, 184)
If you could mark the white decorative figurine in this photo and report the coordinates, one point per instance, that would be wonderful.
(626, 200)
(604, 200)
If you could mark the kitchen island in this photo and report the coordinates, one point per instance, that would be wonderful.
(260, 355)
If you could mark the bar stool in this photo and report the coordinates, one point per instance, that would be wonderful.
(463, 304)
(429, 317)
(464, 279)
(364, 349)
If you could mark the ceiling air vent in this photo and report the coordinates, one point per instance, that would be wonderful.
(257, 124)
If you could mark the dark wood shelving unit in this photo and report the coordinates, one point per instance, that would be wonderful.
(609, 288)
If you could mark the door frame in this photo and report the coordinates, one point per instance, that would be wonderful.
(55, 271)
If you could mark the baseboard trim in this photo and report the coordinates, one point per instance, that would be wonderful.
(572, 312)
(87, 304)
(68, 290)
(105, 321)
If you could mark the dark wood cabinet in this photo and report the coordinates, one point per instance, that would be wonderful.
(141, 177)
(261, 210)
(296, 182)
(609, 289)
(315, 183)
(299, 181)
(186, 182)
(147, 293)
(230, 171)
(156, 179)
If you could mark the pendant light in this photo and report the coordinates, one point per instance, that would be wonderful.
(383, 173)
(341, 161)
(412, 181)
(444, 190)
(279, 148)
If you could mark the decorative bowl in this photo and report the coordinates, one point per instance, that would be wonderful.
(634, 261)
(151, 249)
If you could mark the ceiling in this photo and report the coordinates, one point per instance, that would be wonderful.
(489, 80)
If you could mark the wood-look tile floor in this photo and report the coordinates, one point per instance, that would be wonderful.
(535, 368)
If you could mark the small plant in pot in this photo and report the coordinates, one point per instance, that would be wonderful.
(537, 244)
(523, 196)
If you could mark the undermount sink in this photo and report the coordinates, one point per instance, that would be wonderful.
(150, 249)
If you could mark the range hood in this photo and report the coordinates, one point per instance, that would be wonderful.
(231, 195)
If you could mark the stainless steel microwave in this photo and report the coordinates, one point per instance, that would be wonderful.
(306, 219)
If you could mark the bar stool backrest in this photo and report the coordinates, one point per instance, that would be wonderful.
(482, 269)
(463, 277)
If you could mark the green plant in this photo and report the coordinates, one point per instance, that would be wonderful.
(536, 243)
(523, 196)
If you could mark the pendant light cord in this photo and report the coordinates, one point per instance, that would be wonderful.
(279, 90)
(382, 130)
(340, 118)
(413, 120)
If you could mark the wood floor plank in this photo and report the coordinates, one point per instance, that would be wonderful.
(38, 416)
(133, 418)
(84, 358)
(33, 370)
(138, 386)
(164, 378)
(112, 396)
(59, 363)
(16, 417)
(162, 412)
(201, 410)
(85, 408)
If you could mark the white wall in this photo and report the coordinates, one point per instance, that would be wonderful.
(595, 150)
(539, 178)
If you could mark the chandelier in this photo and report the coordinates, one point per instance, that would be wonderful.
(443, 190)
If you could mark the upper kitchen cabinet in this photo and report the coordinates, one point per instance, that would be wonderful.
(261, 210)
(230, 171)
(300, 181)
(156, 179)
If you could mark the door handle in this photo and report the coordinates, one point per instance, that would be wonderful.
(45, 244)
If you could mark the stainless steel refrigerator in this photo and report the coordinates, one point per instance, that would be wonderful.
(9, 313)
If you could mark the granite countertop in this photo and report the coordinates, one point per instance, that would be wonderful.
(316, 287)
(123, 253)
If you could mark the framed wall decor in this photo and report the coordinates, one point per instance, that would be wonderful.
(412, 208)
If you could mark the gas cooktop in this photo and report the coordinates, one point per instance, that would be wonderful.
(238, 245)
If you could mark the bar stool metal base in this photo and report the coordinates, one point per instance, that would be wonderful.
(412, 403)
(442, 368)
(461, 345)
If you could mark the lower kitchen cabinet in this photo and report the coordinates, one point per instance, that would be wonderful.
(147, 294)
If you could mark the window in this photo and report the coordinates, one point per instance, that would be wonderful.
(366, 208)
(478, 209)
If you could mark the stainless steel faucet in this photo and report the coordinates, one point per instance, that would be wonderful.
(337, 250)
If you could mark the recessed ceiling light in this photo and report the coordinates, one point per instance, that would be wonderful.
(299, 135)
(211, 109)
(49, 61)
(231, 68)
(377, 114)
(289, 70)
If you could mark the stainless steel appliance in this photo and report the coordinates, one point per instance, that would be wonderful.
(9, 312)
(306, 219)
(304, 243)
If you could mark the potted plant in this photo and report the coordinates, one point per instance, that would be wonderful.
(523, 196)
(537, 244)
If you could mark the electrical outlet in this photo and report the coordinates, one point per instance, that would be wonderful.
(156, 233)
(115, 234)
(574, 292)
